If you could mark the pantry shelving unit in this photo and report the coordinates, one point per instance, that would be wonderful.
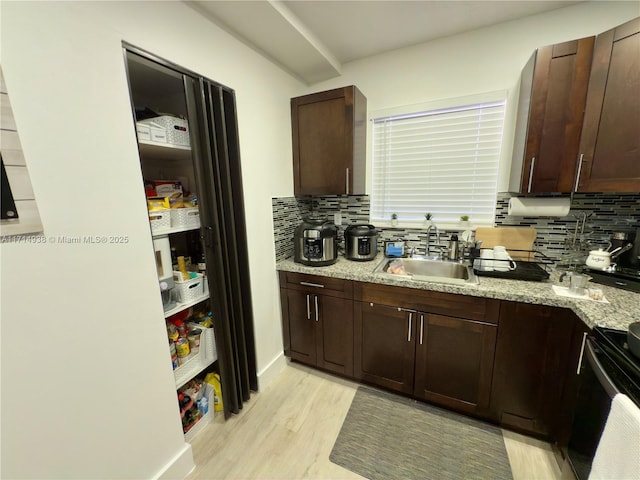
(169, 161)
(210, 169)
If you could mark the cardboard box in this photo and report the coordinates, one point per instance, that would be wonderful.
(166, 188)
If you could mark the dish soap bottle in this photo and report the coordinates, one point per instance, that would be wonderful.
(453, 247)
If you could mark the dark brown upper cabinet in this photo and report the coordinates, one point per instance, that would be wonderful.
(553, 93)
(609, 159)
(329, 142)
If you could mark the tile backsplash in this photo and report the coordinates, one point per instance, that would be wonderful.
(605, 213)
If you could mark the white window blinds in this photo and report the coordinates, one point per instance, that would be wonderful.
(441, 161)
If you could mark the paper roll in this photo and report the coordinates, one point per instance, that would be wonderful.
(539, 207)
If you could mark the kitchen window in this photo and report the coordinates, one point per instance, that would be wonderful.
(443, 160)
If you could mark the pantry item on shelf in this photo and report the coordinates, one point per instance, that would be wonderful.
(181, 315)
(174, 354)
(214, 380)
(193, 388)
(167, 188)
(182, 348)
(203, 405)
(182, 328)
(194, 340)
(176, 200)
(189, 412)
(182, 268)
(172, 332)
(204, 320)
(157, 203)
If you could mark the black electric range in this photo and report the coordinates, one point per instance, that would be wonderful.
(608, 368)
(624, 278)
(625, 373)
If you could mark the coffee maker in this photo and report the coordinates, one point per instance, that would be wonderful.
(629, 259)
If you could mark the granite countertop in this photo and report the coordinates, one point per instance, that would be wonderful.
(623, 307)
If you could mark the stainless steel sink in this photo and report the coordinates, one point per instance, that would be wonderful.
(427, 270)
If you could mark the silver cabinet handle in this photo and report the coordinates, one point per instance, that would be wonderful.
(421, 327)
(307, 284)
(315, 298)
(409, 330)
(575, 188)
(347, 179)
(308, 309)
(584, 340)
(533, 162)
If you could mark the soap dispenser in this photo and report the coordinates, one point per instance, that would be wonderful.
(453, 247)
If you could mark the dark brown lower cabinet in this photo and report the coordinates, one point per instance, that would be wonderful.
(571, 382)
(384, 346)
(509, 362)
(318, 326)
(445, 360)
(454, 362)
(532, 356)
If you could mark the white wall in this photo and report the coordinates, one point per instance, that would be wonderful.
(87, 385)
(484, 60)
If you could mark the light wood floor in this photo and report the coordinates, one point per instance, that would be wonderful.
(288, 430)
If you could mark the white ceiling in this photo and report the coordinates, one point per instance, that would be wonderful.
(312, 39)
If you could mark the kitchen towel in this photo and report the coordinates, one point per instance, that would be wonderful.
(539, 207)
(618, 453)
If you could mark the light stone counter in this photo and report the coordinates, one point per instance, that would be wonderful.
(623, 307)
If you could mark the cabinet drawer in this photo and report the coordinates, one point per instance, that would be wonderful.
(325, 285)
(463, 306)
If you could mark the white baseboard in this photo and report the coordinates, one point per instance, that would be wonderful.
(271, 371)
(179, 467)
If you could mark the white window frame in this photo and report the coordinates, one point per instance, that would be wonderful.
(426, 109)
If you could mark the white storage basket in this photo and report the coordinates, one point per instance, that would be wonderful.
(177, 129)
(185, 217)
(160, 220)
(189, 290)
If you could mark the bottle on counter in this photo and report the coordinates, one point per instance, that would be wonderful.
(453, 247)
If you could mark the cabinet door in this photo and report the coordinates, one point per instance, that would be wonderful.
(302, 326)
(610, 142)
(572, 382)
(334, 336)
(558, 96)
(329, 142)
(384, 346)
(454, 362)
(532, 352)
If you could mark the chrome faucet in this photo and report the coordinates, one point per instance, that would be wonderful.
(429, 228)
